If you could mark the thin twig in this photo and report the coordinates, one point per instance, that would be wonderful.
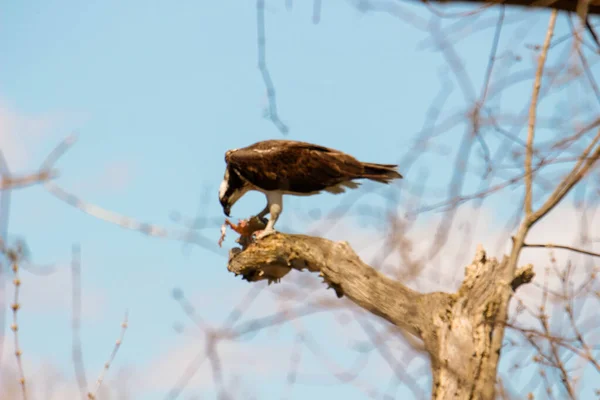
(558, 246)
(582, 167)
(92, 396)
(587, 353)
(4, 214)
(15, 256)
(532, 113)
(555, 358)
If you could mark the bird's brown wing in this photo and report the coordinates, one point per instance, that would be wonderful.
(293, 166)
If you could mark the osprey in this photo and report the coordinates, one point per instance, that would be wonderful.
(278, 167)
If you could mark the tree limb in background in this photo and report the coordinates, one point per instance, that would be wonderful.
(583, 166)
(76, 348)
(262, 66)
(19, 182)
(316, 11)
(93, 395)
(110, 216)
(532, 114)
(531, 217)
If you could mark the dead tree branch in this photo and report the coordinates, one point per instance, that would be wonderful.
(341, 268)
(457, 328)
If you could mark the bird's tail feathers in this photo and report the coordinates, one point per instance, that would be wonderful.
(383, 173)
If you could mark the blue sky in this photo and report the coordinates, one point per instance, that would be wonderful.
(157, 92)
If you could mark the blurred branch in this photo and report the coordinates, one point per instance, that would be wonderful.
(583, 58)
(76, 320)
(316, 11)
(10, 182)
(113, 217)
(127, 222)
(397, 364)
(295, 357)
(492, 59)
(583, 166)
(215, 364)
(262, 66)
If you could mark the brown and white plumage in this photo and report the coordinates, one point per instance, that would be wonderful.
(278, 167)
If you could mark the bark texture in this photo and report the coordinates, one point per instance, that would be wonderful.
(463, 351)
(457, 328)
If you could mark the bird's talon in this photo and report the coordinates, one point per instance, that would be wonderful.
(264, 233)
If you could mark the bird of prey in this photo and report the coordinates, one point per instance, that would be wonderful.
(278, 167)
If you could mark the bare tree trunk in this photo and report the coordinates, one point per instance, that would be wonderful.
(458, 329)
(463, 350)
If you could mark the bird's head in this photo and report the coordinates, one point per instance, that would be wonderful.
(231, 190)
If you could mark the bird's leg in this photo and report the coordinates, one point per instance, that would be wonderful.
(275, 210)
(261, 215)
(275, 206)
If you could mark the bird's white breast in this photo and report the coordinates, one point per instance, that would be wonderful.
(224, 185)
(223, 188)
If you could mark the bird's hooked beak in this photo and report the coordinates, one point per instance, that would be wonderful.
(228, 197)
(226, 204)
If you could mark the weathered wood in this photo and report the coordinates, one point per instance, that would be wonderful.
(456, 328)
(274, 256)
(463, 353)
